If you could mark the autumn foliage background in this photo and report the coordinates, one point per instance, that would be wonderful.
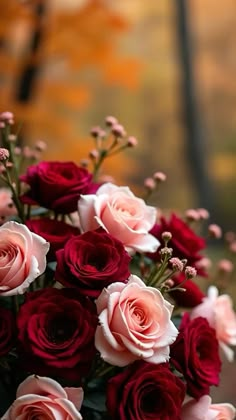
(66, 64)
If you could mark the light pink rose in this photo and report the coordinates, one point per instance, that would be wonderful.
(44, 398)
(22, 258)
(134, 324)
(120, 213)
(220, 314)
(204, 410)
(7, 207)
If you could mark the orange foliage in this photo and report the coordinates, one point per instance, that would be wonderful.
(72, 42)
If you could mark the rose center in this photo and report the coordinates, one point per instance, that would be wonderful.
(136, 314)
(150, 401)
(96, 260)
(60, 330)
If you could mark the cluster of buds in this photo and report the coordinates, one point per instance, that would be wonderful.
(195, 215)
(13, 161)
(108, 142)
(152, 183)
(6, 118)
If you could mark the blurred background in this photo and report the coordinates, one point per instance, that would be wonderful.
(165, 69)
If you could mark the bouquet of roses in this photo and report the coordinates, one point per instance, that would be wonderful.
(101, 314)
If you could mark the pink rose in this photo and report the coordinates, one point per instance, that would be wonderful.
(204, 410)
(124, 216)
(220, 314)
(22, 258)
(134, 324)
(44, 398)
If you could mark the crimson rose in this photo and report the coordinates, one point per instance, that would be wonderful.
(145, 391)
(56, 333)
(56, 185)
(192, 296)
(7, 331)
(195, 354)
(55, 232)
(185, 243)
(91, 262)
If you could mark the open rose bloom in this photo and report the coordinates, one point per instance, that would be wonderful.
(44, 398)
(220, 314)
(22, 258)
(134, 324)
(203, 409)
(101, 316)
(119, 212)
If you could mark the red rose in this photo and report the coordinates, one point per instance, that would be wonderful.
(56, 333)
(7, 331)
(91, 262)
(145, 391)
(192, 296)
(55, 232)
(195, 354)
(56, 185)
(185, 243)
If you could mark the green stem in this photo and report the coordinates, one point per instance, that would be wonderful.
(15, 198)
(97, 165)
(15, 304)
(156, 277)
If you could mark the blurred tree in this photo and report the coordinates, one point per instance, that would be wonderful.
(52, 55)
(196, 150)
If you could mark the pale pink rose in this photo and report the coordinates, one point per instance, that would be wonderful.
(220, 314)
(204, 410)
(43, 398)
(7, 207)
(22, 258)
(124, 216)
(134, 324)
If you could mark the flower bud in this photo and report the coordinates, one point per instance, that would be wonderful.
(225, 266)
(166, 236)
(110, 121)
(132, 141)
(203, 213)
(159, 177)
(150, 184)
(176, 264)
(7, 117)
(215, 231)
(4, 154)
(190, 272)
(95, 131)
(118, 130)
(94, 154)
(40, 145)
(192, 215)
(166, 251)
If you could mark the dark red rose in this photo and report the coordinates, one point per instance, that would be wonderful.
(192, 296)
(92, 261)
(56, 185)
(185, 243)
(56, 333)
(195, 354)
(55, 232)
(145, 391)
(7, 331)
